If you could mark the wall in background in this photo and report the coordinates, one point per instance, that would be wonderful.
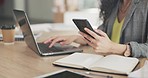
(40, 10)
(37, 10)
(20, 4)
(6, 16)
(7, 8)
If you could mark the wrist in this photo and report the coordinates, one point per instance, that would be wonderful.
(118, 49)
(127, 52)
(78, 39)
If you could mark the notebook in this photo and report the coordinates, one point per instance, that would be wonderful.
(40, 48)
(114, 64)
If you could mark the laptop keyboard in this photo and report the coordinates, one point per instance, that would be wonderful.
(45, 48)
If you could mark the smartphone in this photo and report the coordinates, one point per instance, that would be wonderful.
(83, 23)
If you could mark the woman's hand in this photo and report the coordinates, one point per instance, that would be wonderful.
(64, 40)
(101, 42)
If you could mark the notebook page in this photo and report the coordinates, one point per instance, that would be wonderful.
(78, 60)
(117, 63)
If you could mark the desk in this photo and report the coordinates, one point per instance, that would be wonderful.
(18, 61)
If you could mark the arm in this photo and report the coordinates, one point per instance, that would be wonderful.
(64, 40)
(102, 44)
(139, 49)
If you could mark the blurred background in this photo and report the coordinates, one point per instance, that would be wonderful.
(48, 11)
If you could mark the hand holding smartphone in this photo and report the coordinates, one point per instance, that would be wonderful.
(83, 23)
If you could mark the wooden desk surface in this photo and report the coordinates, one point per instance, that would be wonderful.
(18, 61)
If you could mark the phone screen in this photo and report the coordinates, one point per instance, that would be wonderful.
(83, 23)
(66, 74)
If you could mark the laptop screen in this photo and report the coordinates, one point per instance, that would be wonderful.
(22, 20)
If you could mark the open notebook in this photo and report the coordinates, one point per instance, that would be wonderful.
(111, 64)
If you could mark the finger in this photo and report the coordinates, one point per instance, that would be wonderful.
(56, 41)
(91, 41)
(49, 40)
(86, 36)
(93, 34)
(88, 42)
(64, 42)
(89, 38)
(100, 32)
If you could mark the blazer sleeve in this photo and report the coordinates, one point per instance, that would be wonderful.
(140, 49)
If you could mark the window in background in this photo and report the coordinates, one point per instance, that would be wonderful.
(85, 4)
(62, 6)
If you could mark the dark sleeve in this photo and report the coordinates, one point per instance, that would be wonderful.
(102, 27)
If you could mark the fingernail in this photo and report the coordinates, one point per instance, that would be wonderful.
(44, 42)
(50, 46)
(85, 28)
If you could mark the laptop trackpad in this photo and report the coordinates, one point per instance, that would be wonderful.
(64, 47)
(56, 48)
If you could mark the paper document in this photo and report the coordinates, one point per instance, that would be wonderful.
(140, 73)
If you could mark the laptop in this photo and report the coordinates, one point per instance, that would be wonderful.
(40, 48)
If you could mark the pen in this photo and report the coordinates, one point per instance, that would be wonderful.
(89, 73)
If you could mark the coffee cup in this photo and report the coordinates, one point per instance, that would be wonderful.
(8, 32)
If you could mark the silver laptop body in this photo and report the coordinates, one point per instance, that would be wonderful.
(40, 48)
